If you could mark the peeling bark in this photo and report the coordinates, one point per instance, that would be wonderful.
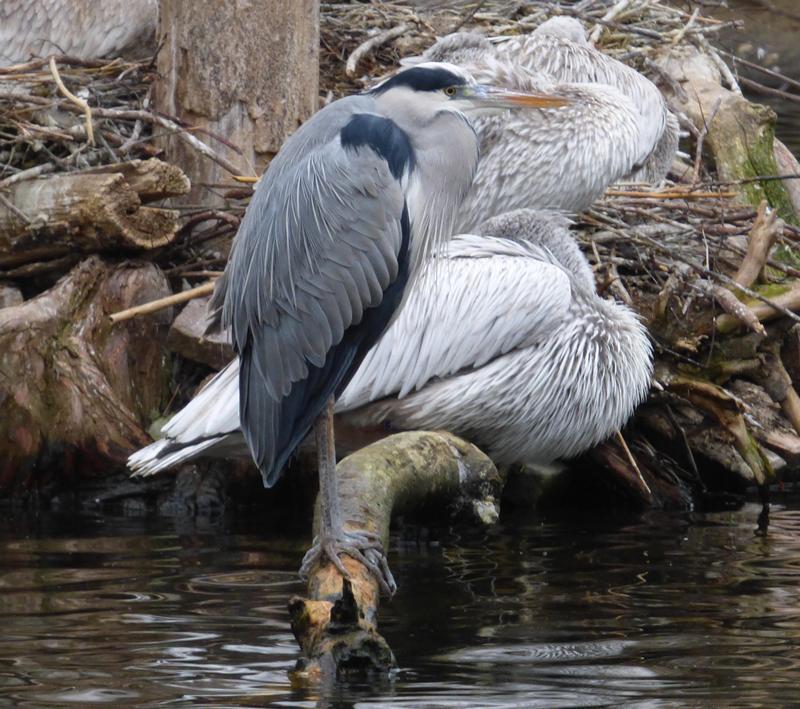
(89, 212)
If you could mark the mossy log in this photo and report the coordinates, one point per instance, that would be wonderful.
(75, 390)
(739, 134)
(336, 626)
(788, 165)
(88, 212)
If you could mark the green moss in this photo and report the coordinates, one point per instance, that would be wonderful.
(785, 254)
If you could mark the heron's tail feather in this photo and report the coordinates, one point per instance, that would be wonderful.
(208, 423)
(164, 454)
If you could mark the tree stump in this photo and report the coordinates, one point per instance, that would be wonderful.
(245, 72)
(75, 390)
(739, 134)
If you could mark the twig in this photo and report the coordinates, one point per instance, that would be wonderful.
(155, 305)
(769, 72)
(768, 90)
(767, 309)
(733, 306)
(375, 41)
(11, 207)
(616, 10)
(87, 112)
(466, 17)
(701, 136)
(668, 194)
(633, 463)
(683, 30)
(765, 230)
(28, 174)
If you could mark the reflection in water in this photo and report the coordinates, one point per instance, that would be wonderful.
(769, 38)
(665, 610)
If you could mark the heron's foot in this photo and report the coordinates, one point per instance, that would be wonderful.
(365, 547)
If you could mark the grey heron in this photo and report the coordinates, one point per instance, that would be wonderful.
(504, 341)
(618, 126)
(339, 223)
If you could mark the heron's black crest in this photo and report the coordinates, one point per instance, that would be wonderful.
(384, 136)
(422, 78)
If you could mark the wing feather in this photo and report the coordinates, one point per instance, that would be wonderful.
(310, 259)
(489, 296)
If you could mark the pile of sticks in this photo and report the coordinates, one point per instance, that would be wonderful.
(707, 266)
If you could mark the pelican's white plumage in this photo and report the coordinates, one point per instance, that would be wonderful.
(618, 127)
(559, 49)
(82, 28)
(504, 340)
(558, 370)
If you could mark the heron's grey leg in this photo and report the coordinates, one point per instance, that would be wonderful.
(333, 539)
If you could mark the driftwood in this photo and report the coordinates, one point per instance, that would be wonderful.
(76, 390)
(739, 134)
(336, 626)
(96, 210)
(187, 337)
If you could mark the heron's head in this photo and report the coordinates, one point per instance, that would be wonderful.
(433, 87)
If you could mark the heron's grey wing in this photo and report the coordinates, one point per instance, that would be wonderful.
(318, 252)
(488, 297)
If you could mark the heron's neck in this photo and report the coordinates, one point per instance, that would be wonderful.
(445, 160)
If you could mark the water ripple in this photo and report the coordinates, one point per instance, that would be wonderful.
(666, 610)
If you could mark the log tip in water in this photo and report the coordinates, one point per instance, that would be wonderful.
(336, 638)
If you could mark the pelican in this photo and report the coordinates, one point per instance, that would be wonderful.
(509, 345)
(560, 49)
(617, 127)
(82, 28)
(504, 341)
(339, 224)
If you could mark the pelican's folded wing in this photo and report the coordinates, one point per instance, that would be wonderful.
(486, 297)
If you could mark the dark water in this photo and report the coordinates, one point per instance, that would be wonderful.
(769, 37)
(663, 610)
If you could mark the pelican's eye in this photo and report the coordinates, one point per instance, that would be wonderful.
(450, 91)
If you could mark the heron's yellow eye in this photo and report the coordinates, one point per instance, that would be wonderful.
(450, 91)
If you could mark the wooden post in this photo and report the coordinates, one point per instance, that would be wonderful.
(243, 75)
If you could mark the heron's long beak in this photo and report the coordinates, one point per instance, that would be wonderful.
(496, 97)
